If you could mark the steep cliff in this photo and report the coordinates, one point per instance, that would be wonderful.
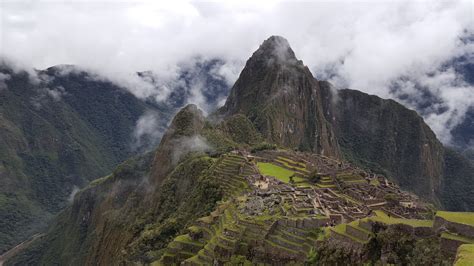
(281, 97)
(457, 186)
(384, 135)
(181, 137)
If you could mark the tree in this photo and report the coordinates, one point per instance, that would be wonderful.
(391, 199)
(292, 179)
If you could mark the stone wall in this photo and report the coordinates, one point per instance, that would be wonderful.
(345, 242)
(367, 225)
(303, 223)
(461, 229)
(450, 246)
(357, 233)
(415, 231)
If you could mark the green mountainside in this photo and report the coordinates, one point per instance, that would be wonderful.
(386, 136)
(285, 173)
(55, 137)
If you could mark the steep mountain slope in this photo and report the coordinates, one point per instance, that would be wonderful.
(281, 97)
(63, 127)
(386, 136)
(142, 205)
(458, 182)
(463, 133)
(55, 137)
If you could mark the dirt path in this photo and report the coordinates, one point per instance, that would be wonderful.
(13, 251)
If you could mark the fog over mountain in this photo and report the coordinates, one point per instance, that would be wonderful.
(401, 49)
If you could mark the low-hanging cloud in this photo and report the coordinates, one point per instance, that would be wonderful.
(186, 145)
(369, 46)
(3, 79)
(148, 131)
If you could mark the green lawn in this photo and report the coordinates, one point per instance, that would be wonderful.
(465, 255)
(277, 171)
(384, 218)
(457, 217)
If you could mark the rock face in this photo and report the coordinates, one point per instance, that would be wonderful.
(458, 182)
(281, 97)
(385, 135)
(181, 137)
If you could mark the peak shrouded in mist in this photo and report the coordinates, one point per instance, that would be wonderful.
(340, 42)
(273, 84)
(277, 49)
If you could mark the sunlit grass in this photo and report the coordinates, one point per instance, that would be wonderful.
(281, 173)
(384, 218)
(457, 217)
(465, 256)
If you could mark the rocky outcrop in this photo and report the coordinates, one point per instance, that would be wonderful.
(281, 97)
(181, 137)
(384, 135)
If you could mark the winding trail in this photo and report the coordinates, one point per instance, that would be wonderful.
(13, 251)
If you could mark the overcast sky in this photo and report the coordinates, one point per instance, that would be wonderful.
(365, 45)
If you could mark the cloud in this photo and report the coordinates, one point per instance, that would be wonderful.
(74, 191)
(186, 145)
(3, 79)
(367, 45)
(148, 131)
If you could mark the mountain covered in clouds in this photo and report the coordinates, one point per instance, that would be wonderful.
(463, 132)
(206, 193)
(62, 127)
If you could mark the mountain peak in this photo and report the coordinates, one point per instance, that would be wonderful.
(281, 97)
(275, 49)
(187, 123)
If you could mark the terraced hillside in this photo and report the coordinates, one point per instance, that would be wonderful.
(229, 171)
(281, 220)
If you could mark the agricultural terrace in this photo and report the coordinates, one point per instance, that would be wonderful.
(457, 217)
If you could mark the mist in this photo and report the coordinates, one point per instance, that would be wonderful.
(368, 46)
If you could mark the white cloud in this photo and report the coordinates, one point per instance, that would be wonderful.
(186, 145)
(363, 45)
(148, 131)
(74, 191)
(3, 79)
